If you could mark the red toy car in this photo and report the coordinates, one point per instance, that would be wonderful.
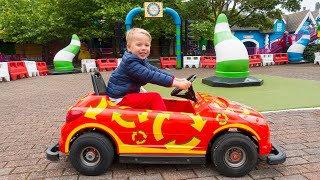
(201, 126)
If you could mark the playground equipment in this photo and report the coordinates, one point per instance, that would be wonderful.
(295, 51)
(155, 11)
(232, 67)
(63, 59)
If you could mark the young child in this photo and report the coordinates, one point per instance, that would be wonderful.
(135, 71)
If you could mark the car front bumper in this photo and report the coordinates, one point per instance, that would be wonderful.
(276, 156)
(53, 152)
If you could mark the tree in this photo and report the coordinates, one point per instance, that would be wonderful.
(242, 13)
(113, 10)
(43, 21)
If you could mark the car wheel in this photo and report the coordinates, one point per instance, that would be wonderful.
(234, 154)
(91, 154)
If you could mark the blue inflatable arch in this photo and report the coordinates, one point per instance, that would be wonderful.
(177, 22)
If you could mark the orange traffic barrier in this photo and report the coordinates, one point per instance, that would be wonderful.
(168, 62)
(42, 68)
(209, 61)
(280, 58)
(17, 69)
(107, 64)
(254, 60)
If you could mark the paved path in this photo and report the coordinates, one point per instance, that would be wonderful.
(32, 111)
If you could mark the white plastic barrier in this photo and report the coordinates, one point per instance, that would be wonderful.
(191, 61)
(88, 65)
(267, 59)
(4, 71)
(317, 58)
(119, 61)
(31, 68)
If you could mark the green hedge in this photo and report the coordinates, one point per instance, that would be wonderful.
(308, 53)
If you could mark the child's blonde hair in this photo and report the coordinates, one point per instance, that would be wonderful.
(131, 33)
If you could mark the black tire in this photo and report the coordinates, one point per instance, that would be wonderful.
(234, 154)
(91, 154)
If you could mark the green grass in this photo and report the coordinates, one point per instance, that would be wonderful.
(276, 93)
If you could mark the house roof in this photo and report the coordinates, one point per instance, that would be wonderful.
(294, 20)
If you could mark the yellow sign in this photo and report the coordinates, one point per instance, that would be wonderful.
(153, 9)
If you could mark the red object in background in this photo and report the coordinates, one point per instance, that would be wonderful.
(280, 58)
(254, 60)
(209, 61)
(17, 69)
(107, 64)
(42, 68)
(168, 62)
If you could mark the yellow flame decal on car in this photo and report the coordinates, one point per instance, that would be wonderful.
(126, 148)
(124, 107)
(144, 135)
(111, 103)
(93, 112)
(124, 123)
(197, 106)
(240, 126)
(198, 123)
(245, 111)
(70, 108)
(187, 146)
(216, 105)
(157, 124)
(222, 121)
(143, 117)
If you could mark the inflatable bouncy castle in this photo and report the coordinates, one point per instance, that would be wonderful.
(295, 51)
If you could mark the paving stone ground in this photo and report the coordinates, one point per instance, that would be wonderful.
(32, 111)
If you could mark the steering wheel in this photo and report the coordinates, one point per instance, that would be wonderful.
(189, 94)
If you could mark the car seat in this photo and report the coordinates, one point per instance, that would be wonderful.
(98, 83)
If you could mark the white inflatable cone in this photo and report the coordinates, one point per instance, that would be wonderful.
(231, 54)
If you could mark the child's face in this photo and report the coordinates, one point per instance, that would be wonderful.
(140, 46)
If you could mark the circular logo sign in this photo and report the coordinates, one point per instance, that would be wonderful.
(153, 9)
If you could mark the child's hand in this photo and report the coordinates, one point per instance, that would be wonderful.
(181, 83)
(183, 79)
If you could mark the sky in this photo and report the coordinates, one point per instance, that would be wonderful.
(309, 4)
